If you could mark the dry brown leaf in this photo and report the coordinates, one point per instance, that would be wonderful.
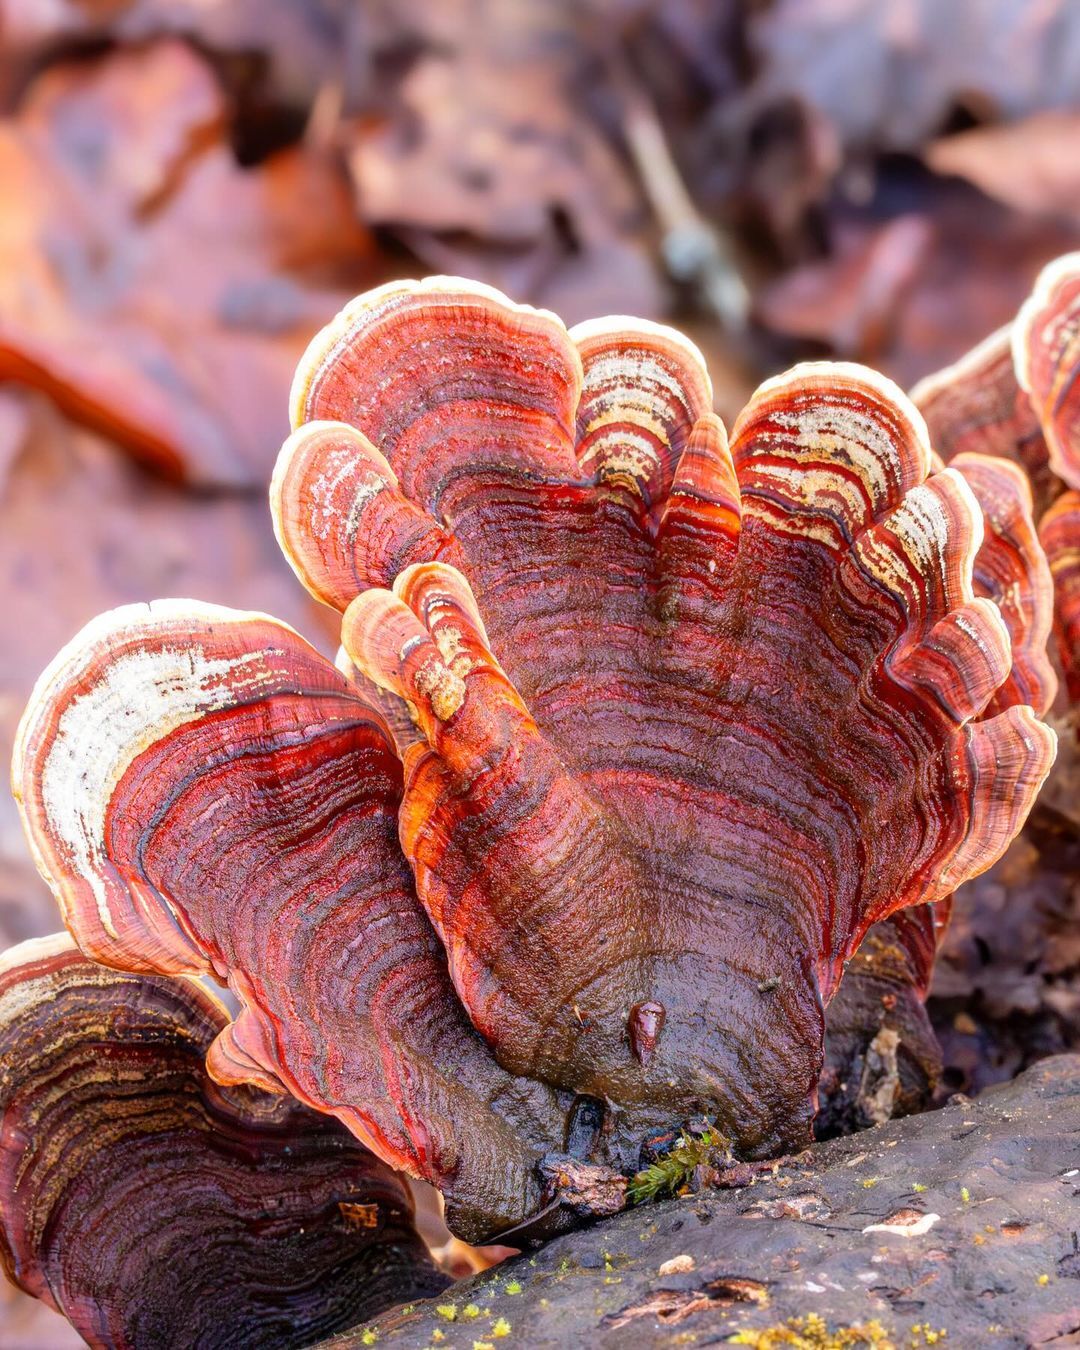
(851, 301)
(485, 161)
(153, 288)
(912, 297)
(887, 75)
(1033, 165)
(276, 52)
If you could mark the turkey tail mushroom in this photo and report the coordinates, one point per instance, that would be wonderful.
(678, 722)
(685, 653)
(977, 406)
(1016, 395)
(1059, 532)
(881, 1054)
(204, 792)
(155, 1209)
(1046, 353)
(1011, 569)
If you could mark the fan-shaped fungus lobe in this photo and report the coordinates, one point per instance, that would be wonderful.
(1046, 352)
(208, 794)
(153, 1208)
(1015, 395)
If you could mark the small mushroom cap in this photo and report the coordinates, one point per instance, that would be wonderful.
(153, 1208)
(205, 792)
(1016, 396)
(1010, 569)
(1059, 531)
(978, 406)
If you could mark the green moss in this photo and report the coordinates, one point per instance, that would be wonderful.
(670, 1174)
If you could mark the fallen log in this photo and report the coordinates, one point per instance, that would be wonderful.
(957, 1227)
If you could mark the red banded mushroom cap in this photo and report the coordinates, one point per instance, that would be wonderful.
(1010, 568)
(1059, 531)
(1046, 353)
(977, 406)
(1014, 396)
(204, 792)
(153, 1208)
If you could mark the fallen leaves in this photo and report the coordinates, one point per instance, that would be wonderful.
(910, 293)
(485, 160)
(1030, 165)
(153, 288)
(889, 75)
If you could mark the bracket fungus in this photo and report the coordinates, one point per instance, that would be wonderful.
(1059, 532)
(885, 987)
(154, 1208)
(1016, 395)
(1046, 352)
(674, 723)
(1011, 569)
(977, 405)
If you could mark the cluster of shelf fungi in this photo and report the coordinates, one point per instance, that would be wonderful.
(628, 821)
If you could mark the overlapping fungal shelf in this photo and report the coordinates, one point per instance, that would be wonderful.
(1010, 569)
(886, 984)
(977, 406)
(1017, 395)
(674, 723)
(1059, 532)
(154, 1208)
(1046, 352)
(208, 794)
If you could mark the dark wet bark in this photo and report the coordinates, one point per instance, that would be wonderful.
(961, 1220)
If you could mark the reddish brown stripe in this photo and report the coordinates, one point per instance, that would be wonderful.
(152, 1207)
